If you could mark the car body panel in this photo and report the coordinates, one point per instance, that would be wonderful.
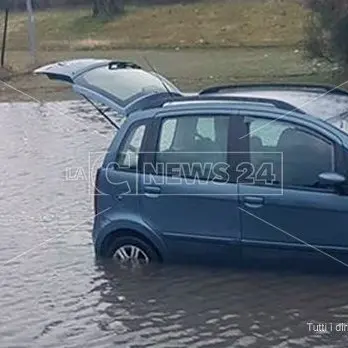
(119, 223)
(192, 219)
(68, 70)
(295, 218)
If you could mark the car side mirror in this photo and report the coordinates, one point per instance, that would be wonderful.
(332, 179)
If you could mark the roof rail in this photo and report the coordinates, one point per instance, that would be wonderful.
(115, 64)
(277, 86)
(159, 101)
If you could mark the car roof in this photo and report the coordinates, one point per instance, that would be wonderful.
(214, 105)
(196, 100)
(321, 101)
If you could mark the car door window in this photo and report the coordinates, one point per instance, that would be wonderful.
(193, 146)
(293, 155)
(168, 131)
(128, 156)
(205, 127)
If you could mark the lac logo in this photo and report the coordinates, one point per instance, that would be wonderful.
(75, 174)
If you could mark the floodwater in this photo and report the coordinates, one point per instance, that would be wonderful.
(54, 293)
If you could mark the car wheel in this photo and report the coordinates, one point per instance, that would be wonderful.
(132, 251)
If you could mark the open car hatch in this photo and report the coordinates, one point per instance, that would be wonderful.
(122, 86)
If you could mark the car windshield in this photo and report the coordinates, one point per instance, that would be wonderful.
(124, 84)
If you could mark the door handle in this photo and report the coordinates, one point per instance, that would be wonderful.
(253, 201)
(152, 191)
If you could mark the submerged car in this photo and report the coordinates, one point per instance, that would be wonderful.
(230, 172)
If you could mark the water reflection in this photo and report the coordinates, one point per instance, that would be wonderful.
(193, 306)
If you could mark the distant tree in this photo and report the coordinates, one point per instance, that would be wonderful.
(327, 29)
(107, 8)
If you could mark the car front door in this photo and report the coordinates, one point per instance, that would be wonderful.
(187, 194)
(283, 207)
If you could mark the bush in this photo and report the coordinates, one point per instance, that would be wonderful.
(326, 30)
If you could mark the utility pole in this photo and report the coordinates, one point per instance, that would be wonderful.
(31, 32)
(4, 38)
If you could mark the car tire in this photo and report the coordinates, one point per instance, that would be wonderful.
(132, 250)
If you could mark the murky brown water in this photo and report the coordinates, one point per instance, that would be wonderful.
(54, 294)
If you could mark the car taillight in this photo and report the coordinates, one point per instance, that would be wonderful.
(96, 192)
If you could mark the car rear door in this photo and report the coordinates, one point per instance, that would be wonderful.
(187, 191)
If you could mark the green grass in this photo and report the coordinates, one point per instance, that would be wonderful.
(222, 23)
(196, 45)
(190, 69)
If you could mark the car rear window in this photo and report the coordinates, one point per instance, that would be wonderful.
(123, 84)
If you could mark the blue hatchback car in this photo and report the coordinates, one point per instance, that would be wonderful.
(231, 172)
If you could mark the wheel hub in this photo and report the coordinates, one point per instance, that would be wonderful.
(131, 254)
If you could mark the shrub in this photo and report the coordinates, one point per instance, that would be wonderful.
(326, 30)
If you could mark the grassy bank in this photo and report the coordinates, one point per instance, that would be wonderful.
(196, 45)
(222, 23)
(189, 69)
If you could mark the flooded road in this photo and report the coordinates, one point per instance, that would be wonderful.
(54, 293)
